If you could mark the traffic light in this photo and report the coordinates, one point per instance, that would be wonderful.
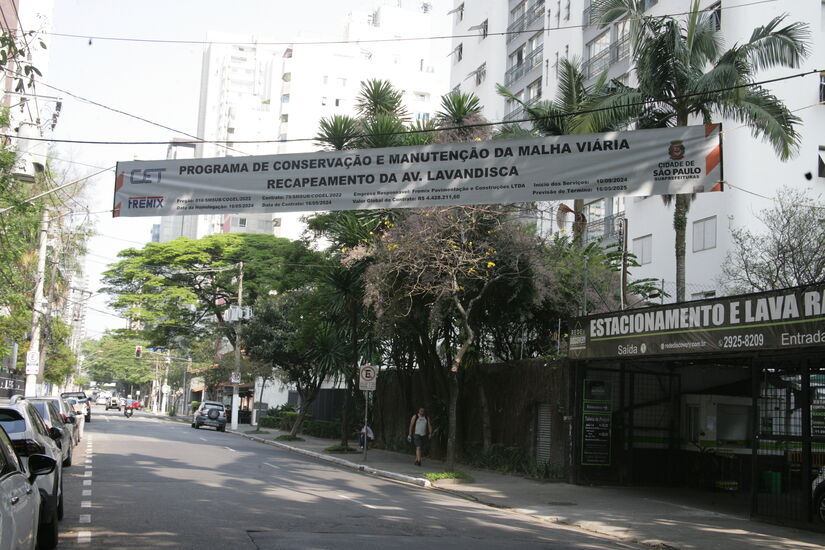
(138, 351)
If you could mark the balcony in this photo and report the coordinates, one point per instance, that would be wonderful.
(617, 51)
(514, 30)
(515, 114)
(603, 231)
(533, 59)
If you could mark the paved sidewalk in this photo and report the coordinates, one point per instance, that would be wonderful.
(649, 516)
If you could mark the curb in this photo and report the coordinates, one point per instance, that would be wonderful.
(421, 482)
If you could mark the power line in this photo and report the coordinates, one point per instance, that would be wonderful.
(433, 130)
(375, 40)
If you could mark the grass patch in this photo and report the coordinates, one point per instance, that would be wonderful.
(435, 476)
(256, 431)
(289, 437)
(341, 449)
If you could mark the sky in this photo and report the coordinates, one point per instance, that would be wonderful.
(158, 82)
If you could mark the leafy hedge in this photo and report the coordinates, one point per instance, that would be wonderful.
(285, 419)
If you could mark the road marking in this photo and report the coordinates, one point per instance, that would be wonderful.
(89, 466)
(86, 504)
(276, 467)
(87, 474)
(87, 482)
(371, 507)
(107, 418)
(87, 492)
(233, 450)
(202, 438)
(85, 518)
(84, 537)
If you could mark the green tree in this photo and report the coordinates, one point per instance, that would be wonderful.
(292, 334)
(684, 72)
(178, 288)
(112, 359)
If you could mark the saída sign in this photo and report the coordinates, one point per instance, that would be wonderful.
(782, 319)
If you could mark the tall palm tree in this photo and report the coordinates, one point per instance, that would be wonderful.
(460, 117)
(684, 73)
(553, 118)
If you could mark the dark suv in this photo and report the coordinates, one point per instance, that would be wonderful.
(210, 413)
(818, 487)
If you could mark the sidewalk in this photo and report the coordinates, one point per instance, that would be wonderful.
(648, 516)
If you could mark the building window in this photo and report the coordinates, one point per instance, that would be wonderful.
(325, 79)
(287, 77)
(339, 102)
(704, 234)
(285, 118)
(567, 10)
(281, 137)
(459, 52)
(822, 161)
(323, 101)
(285, 98)
(484, 29)
(459, 13)
(423, 117)
(715, 12)
(241, 222)
(481, 73)
(643, 249)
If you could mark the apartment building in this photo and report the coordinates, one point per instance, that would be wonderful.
(539, 33)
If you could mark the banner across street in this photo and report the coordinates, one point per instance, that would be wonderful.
(633, 163)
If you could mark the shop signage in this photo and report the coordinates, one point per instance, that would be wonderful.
(818, 421)
(597, 413)
(684, 159)
(777, 320)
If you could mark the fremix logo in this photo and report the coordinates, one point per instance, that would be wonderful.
(146, 175)
(146, 202)
(676, 150)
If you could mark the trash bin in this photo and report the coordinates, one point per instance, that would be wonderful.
(772, 482)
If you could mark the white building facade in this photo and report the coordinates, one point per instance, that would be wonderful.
(539, 33)
(255, 90)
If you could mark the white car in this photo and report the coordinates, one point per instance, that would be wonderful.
(20, 504)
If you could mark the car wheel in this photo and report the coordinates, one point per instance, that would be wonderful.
(88, 418)
(47, 533)
(221, 428)
(68, 461)
(819, 507)
(196, 425)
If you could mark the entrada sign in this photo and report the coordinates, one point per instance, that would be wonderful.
(782, 319)
(660, 161)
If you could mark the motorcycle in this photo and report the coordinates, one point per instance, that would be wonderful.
(128, 412)
(129, 408)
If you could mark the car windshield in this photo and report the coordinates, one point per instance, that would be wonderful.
(11, 422)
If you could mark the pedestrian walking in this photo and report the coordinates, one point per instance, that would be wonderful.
(421, 430)
(370, 436)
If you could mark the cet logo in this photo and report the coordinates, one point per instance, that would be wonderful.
(147, 175)
(146, 202)
(676, 150)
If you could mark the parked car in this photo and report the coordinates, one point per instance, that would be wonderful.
(210, 413)
(114, 403)
(67, 415)
(101, 400)
(83, 399)
(20, 502)
(818, 487)
(79, 415)
(30, 436)
(48, 412)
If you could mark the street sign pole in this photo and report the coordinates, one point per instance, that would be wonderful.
(367, 380)
(366, 408)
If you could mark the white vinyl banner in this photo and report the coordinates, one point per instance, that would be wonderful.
(640, 162)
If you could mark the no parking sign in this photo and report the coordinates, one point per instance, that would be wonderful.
(368, 377)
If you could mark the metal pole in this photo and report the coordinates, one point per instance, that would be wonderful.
(366, 408)
(165, 399)
(34, 346)
(623, 289)
(237, 374)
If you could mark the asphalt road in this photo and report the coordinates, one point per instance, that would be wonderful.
(146, 482)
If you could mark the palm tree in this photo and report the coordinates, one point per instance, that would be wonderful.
(683, 72)
(460, 119)
(553, 118)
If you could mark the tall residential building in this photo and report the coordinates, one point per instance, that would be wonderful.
(251, 90)
(542, 32)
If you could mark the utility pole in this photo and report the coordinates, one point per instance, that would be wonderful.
(623, 279)
(33, 372)
(236, 376)
(164, 389)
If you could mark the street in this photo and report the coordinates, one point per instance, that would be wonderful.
(149, 482)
